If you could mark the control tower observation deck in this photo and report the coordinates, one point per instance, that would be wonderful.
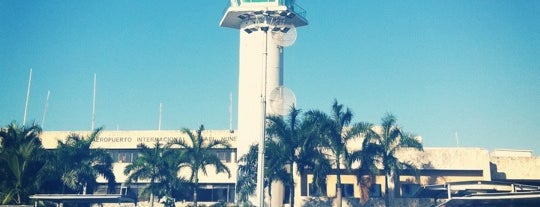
(239, 11)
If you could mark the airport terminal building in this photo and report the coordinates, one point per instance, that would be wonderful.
(122, 146)
(437, 167)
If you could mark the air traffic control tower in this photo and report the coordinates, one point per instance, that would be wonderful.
(266, 27)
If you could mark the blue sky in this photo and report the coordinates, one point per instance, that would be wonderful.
(471, 67)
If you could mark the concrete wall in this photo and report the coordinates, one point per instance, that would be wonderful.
(515, 168)
(452, 160)
(447, 158)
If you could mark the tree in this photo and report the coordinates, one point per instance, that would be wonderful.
(366, 157)
(289, 143)
(336, 130)
(197, 154)
(247, 175)
(22, 158)
(312, 156)
(387, 141)
(319, 165)
(159, 165)
(80, 164)
(275, 160)
(247, 170)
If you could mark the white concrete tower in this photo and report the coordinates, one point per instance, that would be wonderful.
(266, 26)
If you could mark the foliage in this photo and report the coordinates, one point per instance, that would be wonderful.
(336, 131)
(247, 174)
(275, 160)
(290, 141)
(197, 154)
(159, 165)
(22, 158)
(247, 170)
(315, 141)
(317, 201)
(386, 142)
(80, 164)
(320, 166)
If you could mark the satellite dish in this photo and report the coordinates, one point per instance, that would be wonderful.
(284, 36)
(281, 100)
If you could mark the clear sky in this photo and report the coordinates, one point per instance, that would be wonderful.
(444, 68)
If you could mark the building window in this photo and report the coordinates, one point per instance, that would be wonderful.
(216, 193)
(204, 193)
(409, 189)
(313, 191)
(122, 156)
(220, 193)
(286, 195)
(375, 191)
(347, 190)
(231, 193)
(224, 155)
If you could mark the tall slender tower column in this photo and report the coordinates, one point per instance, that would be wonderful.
(265, 26)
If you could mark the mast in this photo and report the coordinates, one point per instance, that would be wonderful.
(45, 109)
(94, 104)
(27, 97)
(160, 115)
(230, 113)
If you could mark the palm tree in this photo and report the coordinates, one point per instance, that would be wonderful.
(247, 170)
(312, 156)
(336, 130)
(283, 142)
(275, 160)
(321, 167)
(159, 165)
(289, 142)
(80, 164)
(388, 140)
(247, 175)
(367, 158)
(197, 154)
(21, 162)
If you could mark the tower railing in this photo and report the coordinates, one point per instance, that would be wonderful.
(294, 7)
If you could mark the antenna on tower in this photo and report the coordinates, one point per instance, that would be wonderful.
(27, 97)
(160, 112)
(45, 109)
(94, 104)
(230, 113)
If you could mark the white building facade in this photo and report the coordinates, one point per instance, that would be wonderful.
(436, 166)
